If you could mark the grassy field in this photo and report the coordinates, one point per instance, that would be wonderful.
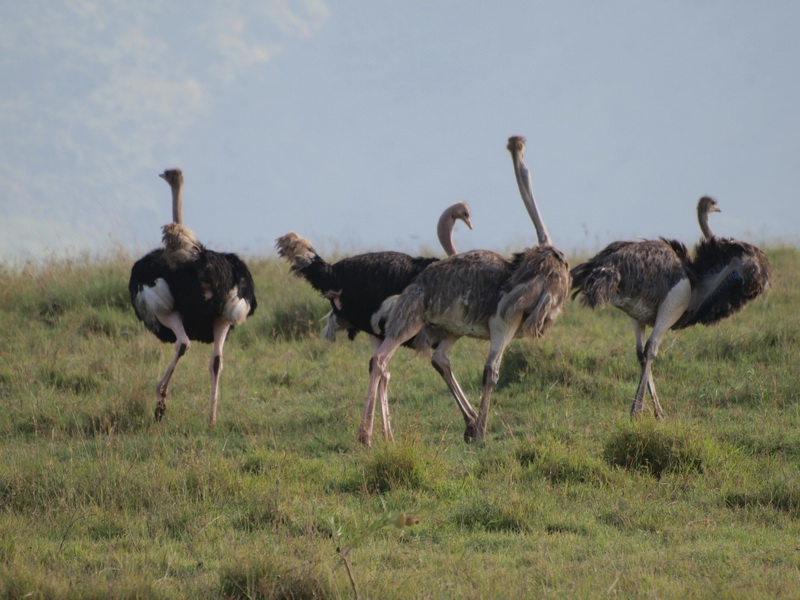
(567, 498)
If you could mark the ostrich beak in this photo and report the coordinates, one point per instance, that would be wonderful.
(163, 175)
(468, 222)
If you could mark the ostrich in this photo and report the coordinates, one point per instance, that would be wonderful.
(459, 211)
(358, 286)
(478, 294)
(185, 292)
(363, 288)
(657, 284)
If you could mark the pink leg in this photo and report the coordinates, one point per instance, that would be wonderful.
(221, 329)
(377, 384)
(502, 331)
(172, 321)
(441, 362)
(669, 311)
(638, 331)
(383, 394)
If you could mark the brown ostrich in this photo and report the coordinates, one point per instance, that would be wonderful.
(477, 294)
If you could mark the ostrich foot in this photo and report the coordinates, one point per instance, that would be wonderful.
(161, 408)
(636, 412)
(364, 437)
(472, 434)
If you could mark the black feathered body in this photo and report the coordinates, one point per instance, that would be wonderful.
(726, 274)
(209, 286)
(365, 282)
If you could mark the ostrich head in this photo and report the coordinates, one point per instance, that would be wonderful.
(705, 206)
(516, 143)
(447, 222)
(296, 250)
(460, 211)
(174, 177)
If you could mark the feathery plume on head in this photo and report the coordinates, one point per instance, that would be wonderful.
(295, 249)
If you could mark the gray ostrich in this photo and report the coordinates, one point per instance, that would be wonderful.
(658, 284)
(478, 294)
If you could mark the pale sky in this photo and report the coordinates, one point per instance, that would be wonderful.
(356, 123)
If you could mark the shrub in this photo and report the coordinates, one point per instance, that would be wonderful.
(653, 448)
(395, 466)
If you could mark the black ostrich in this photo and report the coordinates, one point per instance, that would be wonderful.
(359, 286)
(459, 211)
(363, 288)
(185, 292)
(658, 284)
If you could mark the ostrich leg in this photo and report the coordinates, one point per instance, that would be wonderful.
(669, 311)
(383, 393)
(172, 321)
(501, 332)
(221, 329)
(441, 362)
(378, 382)
(638, 331)
(379, 375)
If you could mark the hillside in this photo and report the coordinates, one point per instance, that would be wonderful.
(567, 498)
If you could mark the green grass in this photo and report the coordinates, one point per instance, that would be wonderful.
(567, 498)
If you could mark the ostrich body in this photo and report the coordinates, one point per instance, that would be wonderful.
(658, 284)
(478, 294)
(184, 292)
(358, 286)
(444, 231)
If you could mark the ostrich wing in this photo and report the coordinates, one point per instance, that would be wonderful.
(726, 275)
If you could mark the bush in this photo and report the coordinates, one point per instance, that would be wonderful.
(653, 448)
(389, 467)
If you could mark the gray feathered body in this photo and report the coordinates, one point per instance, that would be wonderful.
(636, 276)
(633, 276)
(458, 295)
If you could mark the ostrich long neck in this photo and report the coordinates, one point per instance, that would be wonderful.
(444, 229)
(516, 145)
(702, 217)
(177, 203)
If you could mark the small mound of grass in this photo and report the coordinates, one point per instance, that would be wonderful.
(653, 448)
(552, 459)
(390, 467)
